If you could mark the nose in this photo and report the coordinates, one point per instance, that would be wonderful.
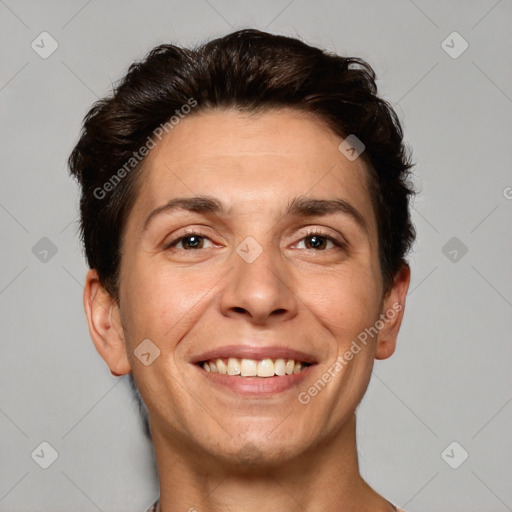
(260, 290)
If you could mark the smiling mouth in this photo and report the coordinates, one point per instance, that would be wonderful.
(254, 367)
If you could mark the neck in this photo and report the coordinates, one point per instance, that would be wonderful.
(325, 477)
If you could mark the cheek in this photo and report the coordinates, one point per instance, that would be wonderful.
(345, 303)
(160, 302)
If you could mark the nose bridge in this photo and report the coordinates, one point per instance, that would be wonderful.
(258, 285)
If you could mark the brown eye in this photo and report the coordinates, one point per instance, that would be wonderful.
(192, 242)
(318, 242)
(188, 242)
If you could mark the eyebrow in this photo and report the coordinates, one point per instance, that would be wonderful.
(301, 206)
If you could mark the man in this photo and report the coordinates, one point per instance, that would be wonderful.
(245, 216)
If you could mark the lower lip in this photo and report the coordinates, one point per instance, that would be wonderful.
(259, 386)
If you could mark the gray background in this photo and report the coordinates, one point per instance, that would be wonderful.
(450, 377)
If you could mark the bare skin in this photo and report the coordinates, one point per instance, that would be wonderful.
(315, 286)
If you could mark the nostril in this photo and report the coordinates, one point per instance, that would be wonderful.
(239, 310)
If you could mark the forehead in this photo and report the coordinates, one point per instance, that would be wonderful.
(248, 160)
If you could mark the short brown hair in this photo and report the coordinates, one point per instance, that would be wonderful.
(246, 70)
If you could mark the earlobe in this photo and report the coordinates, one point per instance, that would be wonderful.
(392, 314)
(105, 326)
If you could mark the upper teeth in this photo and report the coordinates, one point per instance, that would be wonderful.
(252, 367)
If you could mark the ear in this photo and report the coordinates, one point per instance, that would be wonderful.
(105, 327)
(393, 307)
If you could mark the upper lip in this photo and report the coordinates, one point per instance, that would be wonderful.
(254, 352)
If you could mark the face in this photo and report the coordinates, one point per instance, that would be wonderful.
(252, 241)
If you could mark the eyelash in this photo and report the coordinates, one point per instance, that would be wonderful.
(337, 243)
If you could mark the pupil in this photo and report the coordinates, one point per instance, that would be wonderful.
(193, 241)
(316, 241)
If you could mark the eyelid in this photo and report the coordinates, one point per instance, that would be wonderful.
(190, 231)
(337, 240)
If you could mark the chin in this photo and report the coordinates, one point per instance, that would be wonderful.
(260, 449)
